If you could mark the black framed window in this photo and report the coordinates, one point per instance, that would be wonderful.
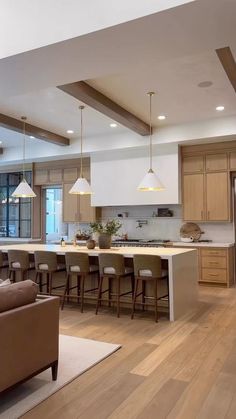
(15, 213)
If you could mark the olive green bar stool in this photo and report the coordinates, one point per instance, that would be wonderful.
(77, 264)
(46, 264)
(19, 261)
(112, 267)
(148, 268)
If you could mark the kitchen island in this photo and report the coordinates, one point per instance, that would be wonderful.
(182, 269)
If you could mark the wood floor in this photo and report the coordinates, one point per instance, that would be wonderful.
(185, 369)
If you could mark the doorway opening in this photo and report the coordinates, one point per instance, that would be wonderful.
(54, 226)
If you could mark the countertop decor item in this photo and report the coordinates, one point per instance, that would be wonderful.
(90, 244)
(105, 232)
(191, 230)
(150, 181)
(81, 186)
(23, 190)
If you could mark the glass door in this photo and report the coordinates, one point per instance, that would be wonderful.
(55, 228)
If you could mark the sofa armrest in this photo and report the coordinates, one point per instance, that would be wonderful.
(29, 340)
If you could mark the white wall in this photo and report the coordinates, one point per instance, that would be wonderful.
(115, 176)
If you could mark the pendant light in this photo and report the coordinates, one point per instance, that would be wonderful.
(81, 186)
(23, 190)
(150, 181)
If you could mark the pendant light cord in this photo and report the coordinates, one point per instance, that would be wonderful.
(150, 128)
(23, 168)
(81, 141)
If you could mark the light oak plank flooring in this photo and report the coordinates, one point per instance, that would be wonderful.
(181, 370)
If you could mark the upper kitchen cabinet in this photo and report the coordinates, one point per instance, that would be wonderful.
(193, 164)
(193, 197)
(217, 196)
(77, 208)
(206, 196)
(216, 162)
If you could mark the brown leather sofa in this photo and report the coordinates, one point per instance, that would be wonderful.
(29, 331)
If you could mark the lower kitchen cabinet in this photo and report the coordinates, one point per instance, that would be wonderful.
(216, 266)
(77, 208)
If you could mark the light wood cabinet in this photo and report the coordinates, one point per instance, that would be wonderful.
(205, 186)
(77, 208)
(217, 266)
(216, 162)
(232, 160)
(217, 197)
(193, 164)
(41, 177)
(70, 174)
(55, 176)
(70, 205)
(193, 197)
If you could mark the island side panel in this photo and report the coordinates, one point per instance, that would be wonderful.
(183, 284)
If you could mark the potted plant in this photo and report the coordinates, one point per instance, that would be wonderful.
(105, 232)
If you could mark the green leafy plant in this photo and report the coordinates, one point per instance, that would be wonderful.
(111, 227)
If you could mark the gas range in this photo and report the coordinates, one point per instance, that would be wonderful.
(139, 243)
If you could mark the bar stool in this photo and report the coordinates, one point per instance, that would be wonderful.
(77, 263)
(148, 268)
(19, 261)
(112, 267)
(3, 262)
(46, 263)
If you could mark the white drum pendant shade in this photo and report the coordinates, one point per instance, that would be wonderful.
(81, 187)
(24, 190)
(150, 182)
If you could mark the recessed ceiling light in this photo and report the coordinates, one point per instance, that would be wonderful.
(0, 142)
(206, 83)
(31, 136)
(220, 108)
(70, 131)
(161, 117)
(113, 125)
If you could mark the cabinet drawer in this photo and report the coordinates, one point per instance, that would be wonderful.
(214, 262)
(214, 252)
(214, 275)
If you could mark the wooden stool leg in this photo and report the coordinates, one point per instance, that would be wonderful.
(99, 294)
(134, 298)
(143, 294)
(155, 296)
(50, 283)
(40, 282)
(82, 292)
(118, 296)
(66, 291)
(109, 291)
(78, 288)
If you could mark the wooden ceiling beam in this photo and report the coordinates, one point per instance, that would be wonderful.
(227, 60)
(39, 133)
(96, 100)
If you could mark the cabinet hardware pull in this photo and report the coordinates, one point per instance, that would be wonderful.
(213, 274)
(208, 215)
(201, 215)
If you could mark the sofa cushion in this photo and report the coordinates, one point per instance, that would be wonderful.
(18, 294)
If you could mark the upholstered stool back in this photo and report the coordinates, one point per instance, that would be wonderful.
(111, 264)
(45, 261)
(77, 262)
(147, 265)
(18, 259)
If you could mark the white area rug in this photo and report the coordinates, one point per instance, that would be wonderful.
(76, 356)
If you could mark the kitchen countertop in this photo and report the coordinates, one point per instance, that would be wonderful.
(204, 244)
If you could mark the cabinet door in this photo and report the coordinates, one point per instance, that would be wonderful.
(55, 175)
(217, 197)
(86, 212)
(232, 160)
(41, 177)
(216, 162)
(193, 164)
(70, 174)
(193, 197)
(70, 204)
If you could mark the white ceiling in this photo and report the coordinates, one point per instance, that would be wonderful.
(169, 52)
